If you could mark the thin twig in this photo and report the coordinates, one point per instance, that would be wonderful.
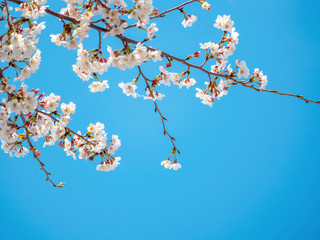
(99, 40)
(172, 139)
(33, 149)
(165, 12)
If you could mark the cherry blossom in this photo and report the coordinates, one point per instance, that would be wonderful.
(98, 86)
(29, 115)
(128, 89)
(206, 6)
(189, 21)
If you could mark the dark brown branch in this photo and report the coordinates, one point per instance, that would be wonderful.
(8, 14)
(103, 5)
(129, 40)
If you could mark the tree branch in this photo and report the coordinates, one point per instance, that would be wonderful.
(129, 40)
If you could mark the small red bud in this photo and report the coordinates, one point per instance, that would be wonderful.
(156, 12)
(41, 95)
(37, 153)
(43, 104)
(197, 54)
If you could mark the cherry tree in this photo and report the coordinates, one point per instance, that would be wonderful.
(28, 115)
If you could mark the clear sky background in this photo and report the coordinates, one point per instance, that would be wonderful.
(250, 165)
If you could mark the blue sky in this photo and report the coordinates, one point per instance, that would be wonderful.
(250, 165)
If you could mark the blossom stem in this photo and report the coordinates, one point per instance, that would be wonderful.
(33, 149)
(167, 11)
(99, 40)
(172, 139)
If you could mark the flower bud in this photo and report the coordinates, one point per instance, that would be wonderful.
(156, 12)
(197, 54)
(37, 153)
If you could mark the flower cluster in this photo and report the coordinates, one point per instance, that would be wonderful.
(31, 67)
(189, 20)
(152, 29)
(141, 11)
(153, 95)
(20, 43)
(27, 116)
(23, 102)
(33, 9)
(111, 17)
(9, 135)
(108, 165)
(61, 40)
(205, 97)
(166, 77)
(88, 63)
(98, 86)
(221, 53)
(19, 102)
(135, 58)
(224, 23)
(243, 69)
(97, 145)
(258, 76)
(49, 124)
(51, 102)
(169, 165)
